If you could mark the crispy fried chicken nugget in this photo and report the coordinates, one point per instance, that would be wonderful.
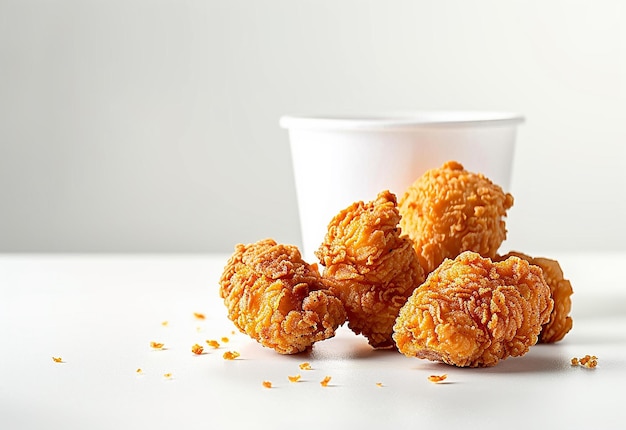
(371, 267)
(560, 322)
(472, 312)
(449, 210)
(277, 298)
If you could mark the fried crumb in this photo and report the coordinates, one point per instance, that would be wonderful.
(437, 378)
(213, 343)
(324, 382)
(197, 349)
(165, 323)
(267, 384)
(230, 355)
(592, 364)
(589, 361)
(225, 339)
(199, 315)
(167, 375)
(139, 371)
(294, 378)
(379, 384)
(305, 366)
(156, 345)
(57, 359)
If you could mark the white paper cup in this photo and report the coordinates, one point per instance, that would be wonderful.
(340, 160)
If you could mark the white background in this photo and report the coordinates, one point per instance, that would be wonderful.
(152, 125)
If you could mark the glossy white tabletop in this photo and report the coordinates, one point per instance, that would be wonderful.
(99, 314)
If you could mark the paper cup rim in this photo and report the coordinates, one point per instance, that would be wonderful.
(401, 121)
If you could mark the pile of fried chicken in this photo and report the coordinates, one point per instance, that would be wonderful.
(423, 275)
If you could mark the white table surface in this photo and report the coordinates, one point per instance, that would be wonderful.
(99, 313)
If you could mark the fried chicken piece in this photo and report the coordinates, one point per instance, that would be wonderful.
(560, 322)
(449, 210)
(370, 266)
(472, 312)
(277, 298)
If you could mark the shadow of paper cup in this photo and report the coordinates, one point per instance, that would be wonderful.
(341, 160)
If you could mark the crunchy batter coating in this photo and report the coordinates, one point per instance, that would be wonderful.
(277, 298)
(371, 266)
(560, 322)
(474, 312)
(449, 210)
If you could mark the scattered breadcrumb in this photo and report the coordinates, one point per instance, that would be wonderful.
(213, 343)
(139, 371)
(165, 323)
(167, 375)
(230, 355)
(225, 339)
(588, 361)
(156, 345)
(197, 349)
(294, 378)
(379, 384)
(437, 378)
(305, 366)
(199, 315)
(57, 359)
(324, 382)
(267, 384)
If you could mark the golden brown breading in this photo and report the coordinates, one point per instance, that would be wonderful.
(474, 312)
(449, 210)
(371, 267)
(277, 298)
(561, 290)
